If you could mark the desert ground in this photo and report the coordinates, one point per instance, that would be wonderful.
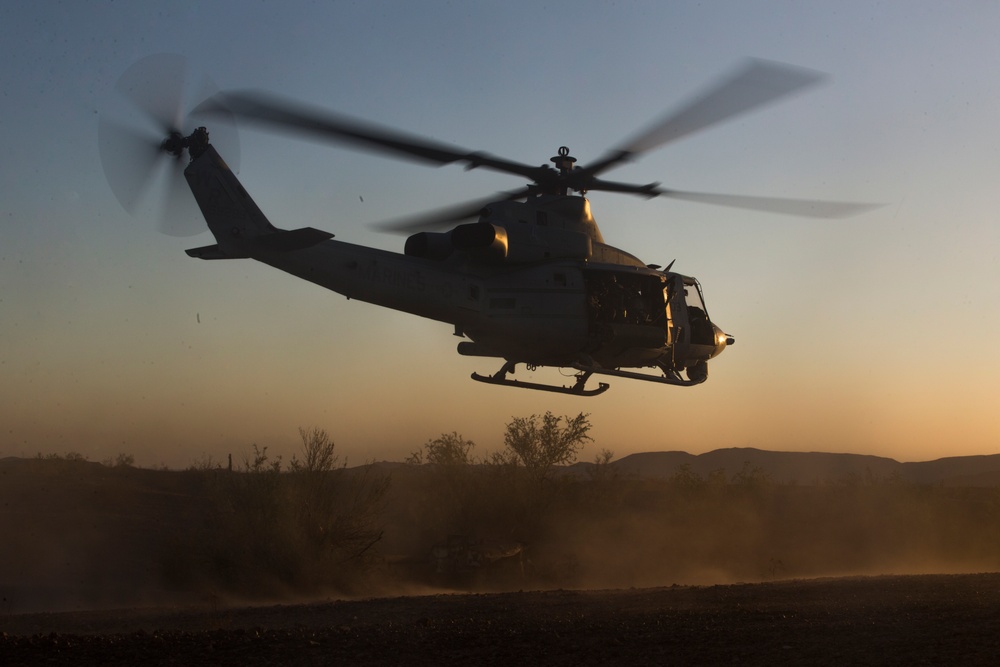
(905, 620)
(111, 564)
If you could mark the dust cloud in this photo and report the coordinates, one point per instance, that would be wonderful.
(81, 535)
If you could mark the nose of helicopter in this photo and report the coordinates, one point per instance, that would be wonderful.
(722, 340)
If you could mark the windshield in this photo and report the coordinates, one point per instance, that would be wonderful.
(693, 295)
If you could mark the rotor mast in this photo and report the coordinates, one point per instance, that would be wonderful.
(564, 163)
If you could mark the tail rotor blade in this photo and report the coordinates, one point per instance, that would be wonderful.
(151, 95)
(128, 157)
(179, 213)
(155, 85)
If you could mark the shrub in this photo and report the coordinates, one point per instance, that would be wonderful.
(311, 527)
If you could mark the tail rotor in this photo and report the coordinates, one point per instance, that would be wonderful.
(140, 139)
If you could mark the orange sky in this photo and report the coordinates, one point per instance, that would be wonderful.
(869, 335)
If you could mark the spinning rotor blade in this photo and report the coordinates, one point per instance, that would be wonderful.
(808, 208)
(155, 86)
(756, 84)
(752, 86)
(269, 110)
(180, 215)
(442, 218)
(129, 158)
(135, 164)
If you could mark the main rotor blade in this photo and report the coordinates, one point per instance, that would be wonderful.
(808, 208)
(646, 190)
(757, 83)
(269, 110)
(444, 217)
(223, 132)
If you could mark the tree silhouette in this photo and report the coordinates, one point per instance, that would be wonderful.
(448, 449)
(540, 443)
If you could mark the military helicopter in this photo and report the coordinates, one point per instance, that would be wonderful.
(530, 280)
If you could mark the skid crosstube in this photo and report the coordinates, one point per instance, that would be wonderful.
(577, 389)
(586, 370)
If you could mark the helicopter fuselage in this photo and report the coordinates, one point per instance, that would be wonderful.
(530, 282)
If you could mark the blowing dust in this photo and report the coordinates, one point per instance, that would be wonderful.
(81, 535)
(449, 524)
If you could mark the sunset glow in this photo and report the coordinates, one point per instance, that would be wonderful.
(865, 335)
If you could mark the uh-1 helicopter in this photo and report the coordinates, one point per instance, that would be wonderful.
(530, 280)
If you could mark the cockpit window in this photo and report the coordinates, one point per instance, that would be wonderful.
(693, 295)
(702, 332)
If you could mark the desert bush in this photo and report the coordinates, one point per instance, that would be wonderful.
(204, 463)
(541, 443)
(268, 530)
(68, 456)
(513, 488)
(501, 497)
(318, 454)
(448, 500)
(448, 449)
(751, 477)
(602, 470)
(337, 510)
(318, 524)
(122, 460)
(687, 480)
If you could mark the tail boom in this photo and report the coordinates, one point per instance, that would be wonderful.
(393, 280)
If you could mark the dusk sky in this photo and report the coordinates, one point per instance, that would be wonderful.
(869, 335)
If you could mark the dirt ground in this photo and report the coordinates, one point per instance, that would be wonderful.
(927, 619)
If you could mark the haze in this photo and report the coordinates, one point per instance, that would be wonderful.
(870, 335)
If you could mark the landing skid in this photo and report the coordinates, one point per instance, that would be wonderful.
(577, 389)
(669, 376)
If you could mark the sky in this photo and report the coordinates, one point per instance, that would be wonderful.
(869, 335)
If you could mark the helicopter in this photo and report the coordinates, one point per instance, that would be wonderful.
(524, 277)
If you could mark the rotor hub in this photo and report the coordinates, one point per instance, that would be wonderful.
(195, 143)
(564, 161)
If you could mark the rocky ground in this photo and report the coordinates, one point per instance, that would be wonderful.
(930, 619)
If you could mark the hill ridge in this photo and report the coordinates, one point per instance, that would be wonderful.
(815, 467)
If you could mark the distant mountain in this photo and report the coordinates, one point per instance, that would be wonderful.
(957, 469)
(809, 468)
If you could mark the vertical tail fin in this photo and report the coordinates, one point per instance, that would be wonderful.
(240, 228)
(231, 214)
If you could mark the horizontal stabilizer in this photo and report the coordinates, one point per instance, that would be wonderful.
(278, 241)
(209, 252)
(295, 239)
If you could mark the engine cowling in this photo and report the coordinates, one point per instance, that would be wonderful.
(482, 239)
(512, 244)
(429, 245)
